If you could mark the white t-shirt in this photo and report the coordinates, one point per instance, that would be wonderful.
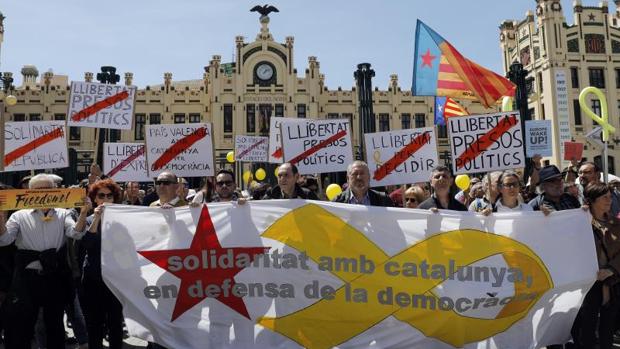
(522, 206)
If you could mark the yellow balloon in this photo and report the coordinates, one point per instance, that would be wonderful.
(230, 156)
(332, 191)
(602, 120)
(247, 176)
(462, 181)
(10, 100)
(260, 174)
(507, 104)
(275, 172)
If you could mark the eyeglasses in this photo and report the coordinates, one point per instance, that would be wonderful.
(511, 185)
(102, 196)
(164, 182)
(410, 200)
(224, 183)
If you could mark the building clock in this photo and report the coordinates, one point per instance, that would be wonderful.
(264, 74)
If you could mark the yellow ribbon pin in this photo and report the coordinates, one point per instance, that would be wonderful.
(602, 120)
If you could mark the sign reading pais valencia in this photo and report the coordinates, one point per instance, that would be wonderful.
(488, 142)
(93, 104)
(17, 199)
(33, 145)
(125, 162)
(251, 148)
(317, 146)
(185, 150)
(399, 157)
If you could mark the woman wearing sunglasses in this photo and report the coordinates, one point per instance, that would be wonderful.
(101, 308)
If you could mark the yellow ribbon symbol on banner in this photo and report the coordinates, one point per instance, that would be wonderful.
(328, 323)
(602, 120)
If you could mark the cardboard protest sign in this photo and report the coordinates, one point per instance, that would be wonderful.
(93, 104)
(488, 142)
(186, 150)
(33, 145)
(573, 151)
(125, 162)
(400, 157)
(538, 138)
(17, 199)
(317, 146)
(251, 148)
(275, 139)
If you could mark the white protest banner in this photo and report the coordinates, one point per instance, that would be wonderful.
(538, 138)
(317, 146)
(488, 142)
(94, 104)
(251, 148)
(275, 139)
(125, 162)
(184, 149)
(34, 145)
(298, 273)
(400, 157)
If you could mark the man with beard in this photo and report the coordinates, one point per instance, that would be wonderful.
(589, 172)
(552, 197)
(358, 191)
(441, 182)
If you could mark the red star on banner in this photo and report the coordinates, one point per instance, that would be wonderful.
(427, 58)
(205, 239)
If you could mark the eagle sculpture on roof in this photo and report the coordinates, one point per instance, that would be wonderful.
(264, 10)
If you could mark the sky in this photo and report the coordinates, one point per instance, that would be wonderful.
(150, 37)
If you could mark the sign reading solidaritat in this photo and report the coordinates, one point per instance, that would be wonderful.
(251, 148)
(125, 162)
(33, 145)
(17, 199)
(309, 274)
(399, 157)
(488, 142)
(185, 150)
(538, 138)
(317, 146)
(94, 104)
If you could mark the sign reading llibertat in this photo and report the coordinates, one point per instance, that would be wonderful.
(93, 104)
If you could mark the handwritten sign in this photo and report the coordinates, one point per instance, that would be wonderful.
(538, 138)
(17, 199)
(251, 148)
(93, 104)
(400, 157)
(573, 151)
(33, 145)
(125, 162)
(317, 146)
(275, 139)
(483, 143)
(186, 150)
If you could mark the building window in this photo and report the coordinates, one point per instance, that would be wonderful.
(35, 117)
(264, 117)
(542, 112)
(596, 109)
(420, 120)
(301, 111)
(532, 113)
(540, 82)
(333, 115)
(617, 78)
(138, 129)
(228, 118)
(179, 118)
(574, 77)
(279, 111)
(155, 119)
(384, 122)
(59, 117)
(19, 117)
(74, 134)
(597, 77)
(442, 131)
(405, 121)
(194, 118)
(250, 111)
(114, 135)
(577, 112)
(349, 117)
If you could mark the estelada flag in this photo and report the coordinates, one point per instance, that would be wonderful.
(440, 70)
(446, 107)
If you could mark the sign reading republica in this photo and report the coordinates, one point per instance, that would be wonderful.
(251, 148)
(317, 146)
(33, 145)
(185, 150)
(488, 142)
(125, 162)
(101, 105)
(538, 138)
(399, 157)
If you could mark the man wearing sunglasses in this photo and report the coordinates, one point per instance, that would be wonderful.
(552, 197)
(167, 185)
(225, 187)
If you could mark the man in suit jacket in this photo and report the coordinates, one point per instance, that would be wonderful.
(358, 191)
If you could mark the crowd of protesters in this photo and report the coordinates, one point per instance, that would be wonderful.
(50, 259)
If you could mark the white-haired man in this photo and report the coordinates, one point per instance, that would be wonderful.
(358, 191)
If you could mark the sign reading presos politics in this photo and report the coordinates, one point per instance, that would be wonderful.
(184, 149)
(488, 142)
(125, 162)
(538, 138)
(317, 146)
(93, 104)
(34, 145)
(251, 148)
(399, 157)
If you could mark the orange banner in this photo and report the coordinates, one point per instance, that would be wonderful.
(17, 199)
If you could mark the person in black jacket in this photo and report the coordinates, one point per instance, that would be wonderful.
(441, 182)
(287, 187)
(358, 191)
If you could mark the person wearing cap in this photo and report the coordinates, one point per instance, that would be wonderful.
(553, 197)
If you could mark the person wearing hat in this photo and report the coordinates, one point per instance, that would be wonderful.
(553, 197)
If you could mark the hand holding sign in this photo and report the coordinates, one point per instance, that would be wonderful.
(602, 120)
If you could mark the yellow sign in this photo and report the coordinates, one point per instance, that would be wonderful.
(17, 199)
(330, 322)
(602, 120)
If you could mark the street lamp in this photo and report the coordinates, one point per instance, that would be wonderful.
(107, 76)
(6, 79)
